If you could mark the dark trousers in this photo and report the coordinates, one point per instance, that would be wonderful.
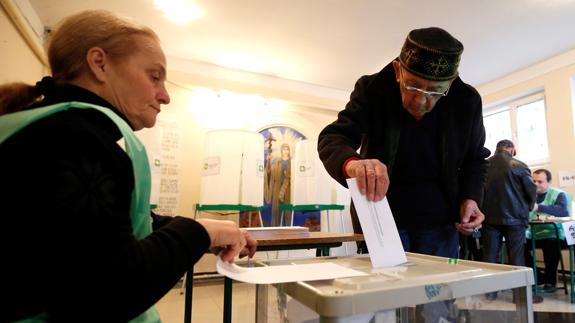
(436, 241)
(514, 242)
(551, 254)
(470, 247)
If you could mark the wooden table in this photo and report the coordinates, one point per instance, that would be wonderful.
(322, 241)
(571, 265)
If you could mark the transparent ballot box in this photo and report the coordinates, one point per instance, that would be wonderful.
(425, 289)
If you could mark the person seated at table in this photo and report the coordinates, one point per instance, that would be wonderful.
(79, 243)
(550, 201)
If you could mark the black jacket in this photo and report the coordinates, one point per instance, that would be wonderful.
(509, 191)
(372, 120)
(67, 244)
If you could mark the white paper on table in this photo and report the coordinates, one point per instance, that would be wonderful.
(285, 273)
(379, 230)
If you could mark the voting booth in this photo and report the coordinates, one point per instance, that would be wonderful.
(428, 288)
(233, 168)
(311, 182)
(312, 188)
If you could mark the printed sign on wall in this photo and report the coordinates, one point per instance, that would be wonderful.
(569, 229)
(566, 178)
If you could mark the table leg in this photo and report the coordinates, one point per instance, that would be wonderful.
(571, 272)
(189, 293)
(561, 258)
(322, 251)
(534, 260)
(261, 303)
(227, 300)
(523, 298)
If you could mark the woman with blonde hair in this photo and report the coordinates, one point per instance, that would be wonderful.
(79, 241)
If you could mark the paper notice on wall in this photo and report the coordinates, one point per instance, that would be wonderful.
(379, 229)
(566, 178)
(285, 273)
(569, 229)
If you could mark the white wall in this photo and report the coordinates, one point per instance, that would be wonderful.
(554, 76)
(19, 64)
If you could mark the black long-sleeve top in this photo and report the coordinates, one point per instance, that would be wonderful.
(67, 245)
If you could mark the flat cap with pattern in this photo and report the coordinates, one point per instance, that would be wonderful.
(431, 53)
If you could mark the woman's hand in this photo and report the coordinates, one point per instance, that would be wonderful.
(228, 240)
(251, 245)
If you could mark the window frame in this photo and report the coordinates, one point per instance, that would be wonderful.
(512, 105)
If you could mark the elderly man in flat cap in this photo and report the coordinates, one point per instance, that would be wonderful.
(420, 132)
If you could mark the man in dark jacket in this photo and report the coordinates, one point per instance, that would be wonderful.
(509, 195)
(420, 129)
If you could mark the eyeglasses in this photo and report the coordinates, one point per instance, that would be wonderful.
(425, 92)
(430, 94)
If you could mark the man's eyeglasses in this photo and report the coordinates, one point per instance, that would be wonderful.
(430, 94)
(424, 92)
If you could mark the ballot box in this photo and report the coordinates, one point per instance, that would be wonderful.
(425, 289)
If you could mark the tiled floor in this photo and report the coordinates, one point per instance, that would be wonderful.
(208, 305)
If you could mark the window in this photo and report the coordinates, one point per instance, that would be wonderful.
(497, 127)
(524, 122)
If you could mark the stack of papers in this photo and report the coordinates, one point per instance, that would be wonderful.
(270, 232)
(559, 219)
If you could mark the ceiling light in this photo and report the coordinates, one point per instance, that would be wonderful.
(179, 11)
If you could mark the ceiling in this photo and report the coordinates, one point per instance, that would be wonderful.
(331, 43)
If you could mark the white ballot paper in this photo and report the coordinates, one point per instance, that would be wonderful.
(285, 273)
(379, 230)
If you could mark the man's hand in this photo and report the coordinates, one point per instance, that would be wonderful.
(371, 175)
(471, 217)
(227, 239)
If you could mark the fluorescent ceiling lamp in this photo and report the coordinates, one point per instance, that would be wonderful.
(179, 11)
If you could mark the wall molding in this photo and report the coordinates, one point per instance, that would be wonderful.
(23, 24)
(531, 72)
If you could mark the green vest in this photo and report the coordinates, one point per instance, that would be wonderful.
(140, 204)
(546, 231)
